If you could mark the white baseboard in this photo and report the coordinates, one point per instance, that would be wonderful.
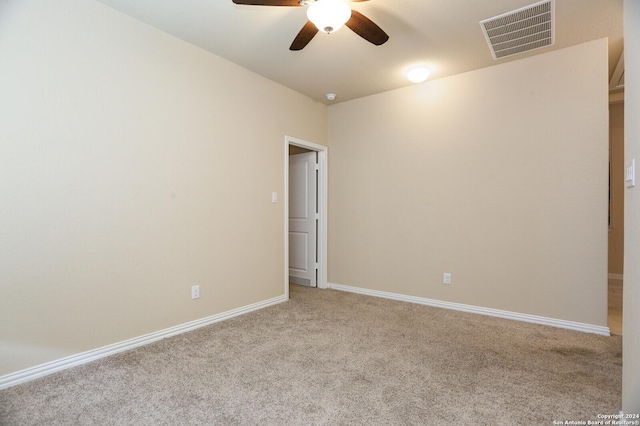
(615, 277)
(585, 328)
(42, 370)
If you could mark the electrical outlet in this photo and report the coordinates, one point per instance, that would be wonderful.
(195, 292)
(447, 278)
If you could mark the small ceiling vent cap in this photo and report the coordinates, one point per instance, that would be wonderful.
(523, 30)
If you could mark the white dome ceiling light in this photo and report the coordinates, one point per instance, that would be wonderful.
(329, 15)
(418, 74)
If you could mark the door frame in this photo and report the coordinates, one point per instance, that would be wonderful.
(322, 209)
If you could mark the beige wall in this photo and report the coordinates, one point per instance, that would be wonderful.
(616, 228)
(631, 313)
(133, 166)
(498, 176)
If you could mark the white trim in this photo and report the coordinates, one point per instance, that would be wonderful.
(42, 370)
(615, 277)
(323, 185)
(577, 326)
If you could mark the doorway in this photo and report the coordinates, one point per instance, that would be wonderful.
(616, 216)
(303, 216)
(319, 152)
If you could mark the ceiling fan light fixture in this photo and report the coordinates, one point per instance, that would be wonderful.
(418, 74)
(329, 15)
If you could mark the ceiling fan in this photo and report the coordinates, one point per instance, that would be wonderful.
(327, 16)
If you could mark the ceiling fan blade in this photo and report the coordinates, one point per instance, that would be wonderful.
(304, 36)
(268, 2)
(366, 28)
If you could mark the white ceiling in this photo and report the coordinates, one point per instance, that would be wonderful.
(444, 34)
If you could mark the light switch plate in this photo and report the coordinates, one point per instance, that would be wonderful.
(630, 174)
(274, 197)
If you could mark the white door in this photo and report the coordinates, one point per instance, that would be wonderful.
(302, 218)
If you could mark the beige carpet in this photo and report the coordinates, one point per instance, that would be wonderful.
(335, 358)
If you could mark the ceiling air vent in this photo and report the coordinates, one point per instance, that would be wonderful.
(520, 31)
